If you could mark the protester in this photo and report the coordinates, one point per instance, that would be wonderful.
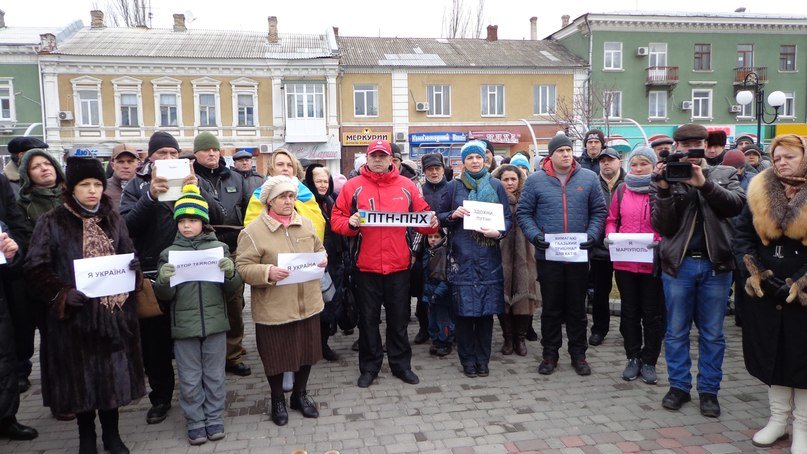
(124, 162)
(753, 157)
(642, 310)
(242, 163)
(382, 260)
(694, 219)
(547, 206)
(475, 260)
(90, 347)
(16, 148)
(661, 145)
(520, 276)
(595, 144)
(490, 156)
(715, 147)
(744, 141)
(286, 316)
(522, 162)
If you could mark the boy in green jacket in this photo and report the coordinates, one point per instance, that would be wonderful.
(198, 320)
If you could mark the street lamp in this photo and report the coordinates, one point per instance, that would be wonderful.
(776, 100)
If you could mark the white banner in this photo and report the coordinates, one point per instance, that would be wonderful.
(565, 247)
(196, 265)
(302, 267)
(483, 214)
(175, 170)
(104, 276)
(631, 247)
(384, 219)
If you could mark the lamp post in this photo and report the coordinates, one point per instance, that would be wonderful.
(776, 100)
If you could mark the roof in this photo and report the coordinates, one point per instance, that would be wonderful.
(437, 52)
(27, 36)
(193, 43)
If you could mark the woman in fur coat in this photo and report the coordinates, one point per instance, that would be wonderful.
(90, 347)
(521, 295)
(772, 243)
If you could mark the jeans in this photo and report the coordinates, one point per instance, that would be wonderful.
(374, 290)
(474, 338)
(441, 323)
(697, 294)
(564, 298)
(200, 366)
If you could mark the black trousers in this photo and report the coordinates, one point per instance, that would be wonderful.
(602, 273)
(474, 336)
(23, 310)
(739, 295)
(564, 301)
(642, 307)
(391, 291)
(155, 339)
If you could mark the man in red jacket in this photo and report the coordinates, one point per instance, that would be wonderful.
(382, 260)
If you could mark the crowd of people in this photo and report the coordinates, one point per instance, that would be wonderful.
(736, 217)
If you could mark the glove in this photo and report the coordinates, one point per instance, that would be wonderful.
(652, 245)
(585, 245)
(753, 285)
(166, 271)
(797, 290)
(607, 241)
(776, 287)
(134, 265)
(540, 243)
(226, 264)
(76, 299)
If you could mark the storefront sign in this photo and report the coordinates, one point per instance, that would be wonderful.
(495, 136)
(437, 137)
(364, 137)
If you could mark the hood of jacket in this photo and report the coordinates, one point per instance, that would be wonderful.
(773, 214)
(26, 185)
(221, 171)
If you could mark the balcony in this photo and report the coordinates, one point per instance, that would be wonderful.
(741, 73)
(662, 75)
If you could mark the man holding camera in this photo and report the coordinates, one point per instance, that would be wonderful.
(692, 207)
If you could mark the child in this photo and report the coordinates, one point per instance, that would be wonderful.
(198, 321)
(436, 295)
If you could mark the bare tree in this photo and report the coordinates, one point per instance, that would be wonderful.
(587, 106)
(124, 13)
(460, 22)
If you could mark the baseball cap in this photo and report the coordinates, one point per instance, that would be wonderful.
(379, 145)
(611, 153)
(122, 148)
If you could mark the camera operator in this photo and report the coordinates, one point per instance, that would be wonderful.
(692, 207)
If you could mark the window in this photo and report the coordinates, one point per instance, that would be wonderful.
(246, 111)
(789, 109)
(701, 103)
(492, 100)
(168, 102)
(748, 110)
(745, 55)
(703, 57)
(658, 54)
(365, 100)
(128, 110)
(244, 104)
(543, 100)
(7, 101)
(168, 110)
(612, 104)
(305, 100)
(787, 57)
(613, 56)
(207, 109)
(657, 107)
(88, 108)
(439, 100)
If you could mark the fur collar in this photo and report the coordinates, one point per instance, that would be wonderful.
(773, 214)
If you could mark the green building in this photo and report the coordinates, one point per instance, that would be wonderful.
(650, 72)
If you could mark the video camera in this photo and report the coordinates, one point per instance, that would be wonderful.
(675, 170)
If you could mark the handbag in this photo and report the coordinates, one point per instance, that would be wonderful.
(146, 301)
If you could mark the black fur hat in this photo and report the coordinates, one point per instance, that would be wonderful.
(82, 168)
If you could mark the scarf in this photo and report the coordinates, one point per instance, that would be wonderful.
(638, 183)
(480, 190)
(612, 182)
(284, 220)
(793, 184)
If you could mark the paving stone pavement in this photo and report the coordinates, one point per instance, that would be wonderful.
(513, 410)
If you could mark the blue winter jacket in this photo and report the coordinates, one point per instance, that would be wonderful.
(475, 270)
(435, 291)
(547, 206)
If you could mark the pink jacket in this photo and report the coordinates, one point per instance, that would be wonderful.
(633, 216)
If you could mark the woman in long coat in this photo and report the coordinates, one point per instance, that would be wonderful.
(90, 347)
(772, 243)
(475, 260)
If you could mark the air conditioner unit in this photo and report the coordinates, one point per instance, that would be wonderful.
(686, 105)
(400, 137)
(736, 108)
(642, 51)
(265, 148)
(422, 106)
(65, 115)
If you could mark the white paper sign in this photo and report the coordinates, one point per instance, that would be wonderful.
(631, 247)
(104, 276)
(196, 265)
(483, 214)
(2, 256)
(302, 267)
(175, 170)
(565, 247)
(384, 219)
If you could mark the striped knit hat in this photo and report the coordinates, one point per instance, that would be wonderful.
(191, 205)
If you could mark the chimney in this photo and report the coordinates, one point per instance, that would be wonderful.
(2, 19)
(179, 23)
(47, 42)
(273, 29)
(493, 33)
(336, 31)
(534, 28)
(564, 20)
(96, 19)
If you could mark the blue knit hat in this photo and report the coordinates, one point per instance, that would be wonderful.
(473, 146)
(520, 160)
(645, 152)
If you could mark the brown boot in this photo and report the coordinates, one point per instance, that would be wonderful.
(520, 325)
(506, 322)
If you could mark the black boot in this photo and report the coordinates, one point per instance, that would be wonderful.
(423, 321)
(86, 433)
(520, 323)
(327, 353)
(280, 415)
(506, 322)
(110, 435)
(532, 336)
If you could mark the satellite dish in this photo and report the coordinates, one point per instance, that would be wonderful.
(189, 17)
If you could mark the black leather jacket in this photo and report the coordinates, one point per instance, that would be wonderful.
(673, 213)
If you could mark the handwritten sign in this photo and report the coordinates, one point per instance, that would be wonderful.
(196, 265)
(175, 170)
(302, 267)
(565, 247)
(631, 247)
(483, 214)
(384, 219)
(104, 276)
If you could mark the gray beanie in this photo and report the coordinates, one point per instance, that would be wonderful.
(646, 153)
(558, 141)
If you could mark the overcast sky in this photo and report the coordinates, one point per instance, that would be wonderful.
(409, 18)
